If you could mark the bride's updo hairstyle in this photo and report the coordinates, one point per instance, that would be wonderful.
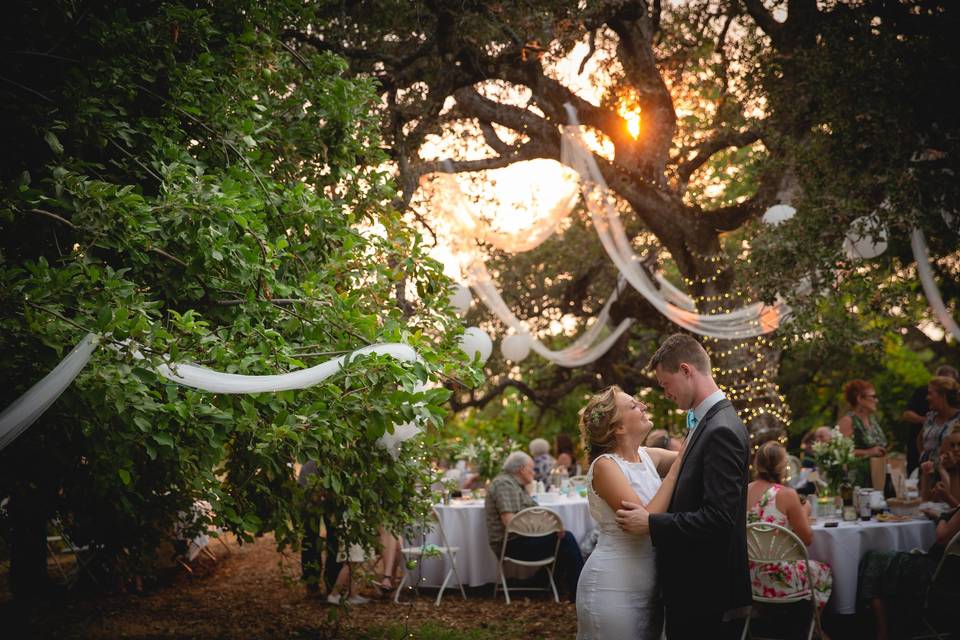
(770, 462)
(598, 420)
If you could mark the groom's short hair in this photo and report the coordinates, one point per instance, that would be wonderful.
(679, 348)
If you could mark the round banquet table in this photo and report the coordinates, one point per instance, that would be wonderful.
(844, 546)
(465, 526)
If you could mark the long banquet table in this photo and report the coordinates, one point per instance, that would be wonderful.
(465, 527)
(843, 547)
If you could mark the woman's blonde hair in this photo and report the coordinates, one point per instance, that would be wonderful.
(948, 388)
(598, 421)
(770, 462)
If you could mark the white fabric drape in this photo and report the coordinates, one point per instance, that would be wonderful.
(468, 228)
(919, 245)
(26, 409)
(750, 321)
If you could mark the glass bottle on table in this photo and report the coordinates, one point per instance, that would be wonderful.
(888, 490)
(846, 496)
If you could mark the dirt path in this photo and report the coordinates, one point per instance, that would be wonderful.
(252, 593)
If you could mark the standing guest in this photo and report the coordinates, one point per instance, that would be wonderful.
(772, 502)
(505, 498)
(860, 423)
(916, 414)
(543, 462)
(943, 398)
(317, 509)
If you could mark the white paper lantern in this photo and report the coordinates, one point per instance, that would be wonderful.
(461, 299)
(516, 347)
(866, 239)
(778, 213)
(476, 341)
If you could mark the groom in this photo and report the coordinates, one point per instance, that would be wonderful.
(701, 540)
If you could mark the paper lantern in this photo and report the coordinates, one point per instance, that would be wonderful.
(778, 213)
(866, 239)
(461, 299)
(516, 347)
(476, 341)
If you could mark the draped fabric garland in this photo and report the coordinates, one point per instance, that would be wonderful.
(747, 322)
(26, 409)
(919, 245)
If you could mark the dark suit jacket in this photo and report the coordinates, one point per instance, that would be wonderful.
(701, 542)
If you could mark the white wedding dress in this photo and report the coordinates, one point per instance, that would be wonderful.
(617, 594)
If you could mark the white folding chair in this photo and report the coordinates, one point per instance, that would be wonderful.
(952, 549)
(532, 522)
(422, 552)
(767, 543)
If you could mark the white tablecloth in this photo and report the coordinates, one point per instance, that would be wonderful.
(844, 546)
(465, 526)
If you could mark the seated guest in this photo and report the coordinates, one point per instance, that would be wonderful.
(505, 498)
(940, 481)
(896, 581)
(567, 454)
(943, 398)
(543, 462)
(566, 461)
(772, 502)
(860, 423)
(661, 439)
(816, 434)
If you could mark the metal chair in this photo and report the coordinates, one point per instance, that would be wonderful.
(952, 549)
(532, 522)
(423, 551)
(766, 543)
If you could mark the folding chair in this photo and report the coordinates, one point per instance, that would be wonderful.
(67, 546)
(532, 522)
(952, 549)
(767, 542)
(423, 552)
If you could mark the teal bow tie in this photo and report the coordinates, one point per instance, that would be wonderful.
(691, 420)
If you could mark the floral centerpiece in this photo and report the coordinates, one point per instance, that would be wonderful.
(834, 460)
(487, 456)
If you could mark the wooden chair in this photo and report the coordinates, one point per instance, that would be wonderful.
(952, 550)
(423, 551)
(767, 542)
(532, 522)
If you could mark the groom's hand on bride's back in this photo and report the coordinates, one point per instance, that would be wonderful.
(633, 518)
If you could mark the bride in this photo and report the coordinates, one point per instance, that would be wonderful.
(617, 594)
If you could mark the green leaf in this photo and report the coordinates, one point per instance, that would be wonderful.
(124, 476)
(53, 142)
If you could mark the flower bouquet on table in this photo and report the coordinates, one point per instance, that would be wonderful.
(834, 459)
(487, 456)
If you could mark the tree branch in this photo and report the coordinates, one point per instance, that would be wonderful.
(708, 148)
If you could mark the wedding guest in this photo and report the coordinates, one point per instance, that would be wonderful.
(896, 581)
(916, 414)
(807, 459)
(566, 461)
(860, 423)
(543, 462)
(772, 502)
(943, 398)
(506, 496)
(563, 444)
(317, 508)
(661, 439)
(940, 480)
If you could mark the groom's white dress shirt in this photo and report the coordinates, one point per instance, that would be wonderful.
(705, 405)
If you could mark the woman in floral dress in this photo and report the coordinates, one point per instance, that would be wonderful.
(774, 503)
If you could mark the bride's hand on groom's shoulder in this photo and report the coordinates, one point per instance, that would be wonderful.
(633, 518)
